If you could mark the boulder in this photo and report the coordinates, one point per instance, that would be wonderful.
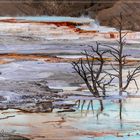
(43, 106)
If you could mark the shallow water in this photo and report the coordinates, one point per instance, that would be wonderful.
(56, 19)
(55, 125)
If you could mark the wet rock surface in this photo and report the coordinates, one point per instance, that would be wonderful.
(28, 103)
(11, 137)
(27, 96)
(38, 103)
(30, 96)
(43, 106)
(25, 87)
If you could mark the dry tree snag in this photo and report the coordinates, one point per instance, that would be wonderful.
(120, 58)
(91, 71)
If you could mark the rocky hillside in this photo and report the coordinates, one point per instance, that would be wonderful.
(103, 10)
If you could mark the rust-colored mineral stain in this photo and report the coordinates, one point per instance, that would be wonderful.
(3, 62)
(70, 24)
(112, 35)
(49, 59)
(11, 20)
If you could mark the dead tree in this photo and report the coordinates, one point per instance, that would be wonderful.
(91, 71)
(121, 60)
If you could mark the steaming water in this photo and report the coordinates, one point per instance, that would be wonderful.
(56, 19)
(88, 23)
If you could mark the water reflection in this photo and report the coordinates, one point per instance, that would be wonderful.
(85, 122)
(117, 115)
(85, 106)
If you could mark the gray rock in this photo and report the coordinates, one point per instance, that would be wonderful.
(11, 137)
(44, 106)
(3, 107)
(2, 98)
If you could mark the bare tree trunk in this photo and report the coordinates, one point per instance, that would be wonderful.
(120, 109)
(120, 58)
(120, 81)
(120, 62)
(101, 105)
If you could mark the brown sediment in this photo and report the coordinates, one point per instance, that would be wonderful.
(50, 59)
(58, 122)
(32, 57)
(95, 134)
(9, 20)
(85, 31)
(4, 62)
(115, 35)
(128, 62)
(64, 131)
(69, 133)
(28, 57)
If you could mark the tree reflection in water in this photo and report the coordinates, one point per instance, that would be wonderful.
(85, 106)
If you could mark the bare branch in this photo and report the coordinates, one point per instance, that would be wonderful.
(115, 69)
(91, 75)
(131, 77)
(125, 35)
(112, 48)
